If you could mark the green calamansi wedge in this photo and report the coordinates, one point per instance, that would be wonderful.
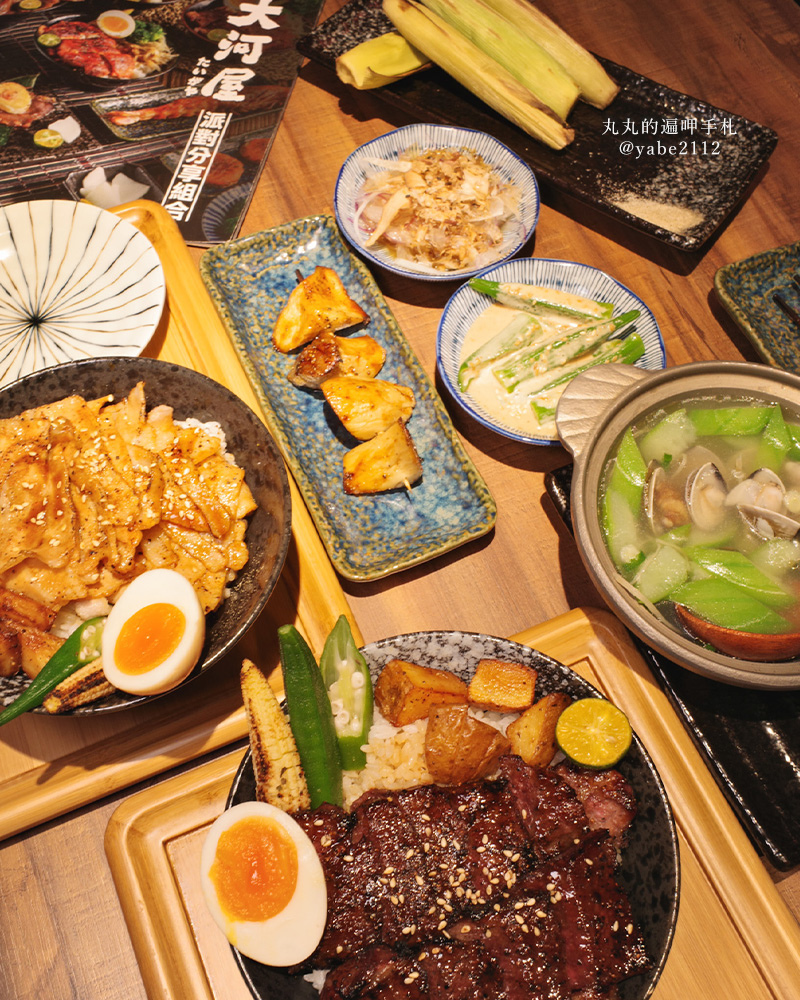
(347, 678)
(593, 733)
(310, 718)
(80, 648)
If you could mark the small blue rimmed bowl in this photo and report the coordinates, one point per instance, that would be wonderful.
(362, 162)
(466, 305)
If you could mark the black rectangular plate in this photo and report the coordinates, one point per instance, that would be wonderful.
(707, 173)
(750, 739)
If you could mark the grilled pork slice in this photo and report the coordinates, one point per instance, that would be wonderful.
(386, 462)
(319, 302)
(367, 406)
(328, 356)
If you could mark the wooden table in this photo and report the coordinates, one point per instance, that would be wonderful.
(62, 932)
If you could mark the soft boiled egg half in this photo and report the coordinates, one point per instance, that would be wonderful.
(116, 23)
(154, 634)
(264, 884)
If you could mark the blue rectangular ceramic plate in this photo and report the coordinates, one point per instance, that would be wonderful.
(366, 537)
(746, 288)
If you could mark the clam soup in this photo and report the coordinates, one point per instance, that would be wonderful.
(700, 508)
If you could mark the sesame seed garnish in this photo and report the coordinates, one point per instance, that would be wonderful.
(629, 929)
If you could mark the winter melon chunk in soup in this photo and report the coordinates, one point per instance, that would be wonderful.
(700, 507)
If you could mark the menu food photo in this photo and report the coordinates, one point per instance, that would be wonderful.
(174, 101)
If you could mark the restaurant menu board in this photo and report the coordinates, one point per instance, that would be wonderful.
(175, 101)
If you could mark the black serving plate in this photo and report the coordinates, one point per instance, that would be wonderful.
(750, 739)
(710, 180)
(649, 870)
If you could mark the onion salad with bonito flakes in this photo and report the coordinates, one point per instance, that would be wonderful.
(436, 209)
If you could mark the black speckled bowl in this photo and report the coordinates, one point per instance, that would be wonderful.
(650, 868)
(190, 394)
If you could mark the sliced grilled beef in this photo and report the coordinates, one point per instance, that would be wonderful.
(606, 797)
(505, 885)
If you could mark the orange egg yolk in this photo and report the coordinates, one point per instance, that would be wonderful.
(254, 871)
(113, 24)
(148, 637)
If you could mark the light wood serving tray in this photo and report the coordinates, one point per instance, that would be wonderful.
(735, 936)
(52, 765)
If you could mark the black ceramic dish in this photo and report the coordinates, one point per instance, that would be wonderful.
(50, 54)
(650, 869)
(593, 169)
(191, 395)
(750, 739)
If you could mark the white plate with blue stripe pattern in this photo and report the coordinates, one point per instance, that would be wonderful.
(76, 282)
(466, 305)
(366, 161)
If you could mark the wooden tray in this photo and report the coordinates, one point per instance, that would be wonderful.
(51, 765)
(735, 936)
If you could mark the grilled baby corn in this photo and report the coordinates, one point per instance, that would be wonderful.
(280, 780)
(86, 685)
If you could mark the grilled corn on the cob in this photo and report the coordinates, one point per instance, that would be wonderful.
(85, 685)
(476, 71)
(515, 50)
(280, 780)
(595, 85)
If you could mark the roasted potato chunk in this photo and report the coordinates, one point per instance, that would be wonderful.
(459, 747)
(533, 734)
(386, 462)
(319, 302)
(502, 687)
(367, 406)
(405, 692)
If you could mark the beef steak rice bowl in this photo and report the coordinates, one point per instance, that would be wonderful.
(556, 882)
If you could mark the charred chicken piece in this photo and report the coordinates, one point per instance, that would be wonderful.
(328, 356)
(367, 406)
(319, 302)
(385, 462)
